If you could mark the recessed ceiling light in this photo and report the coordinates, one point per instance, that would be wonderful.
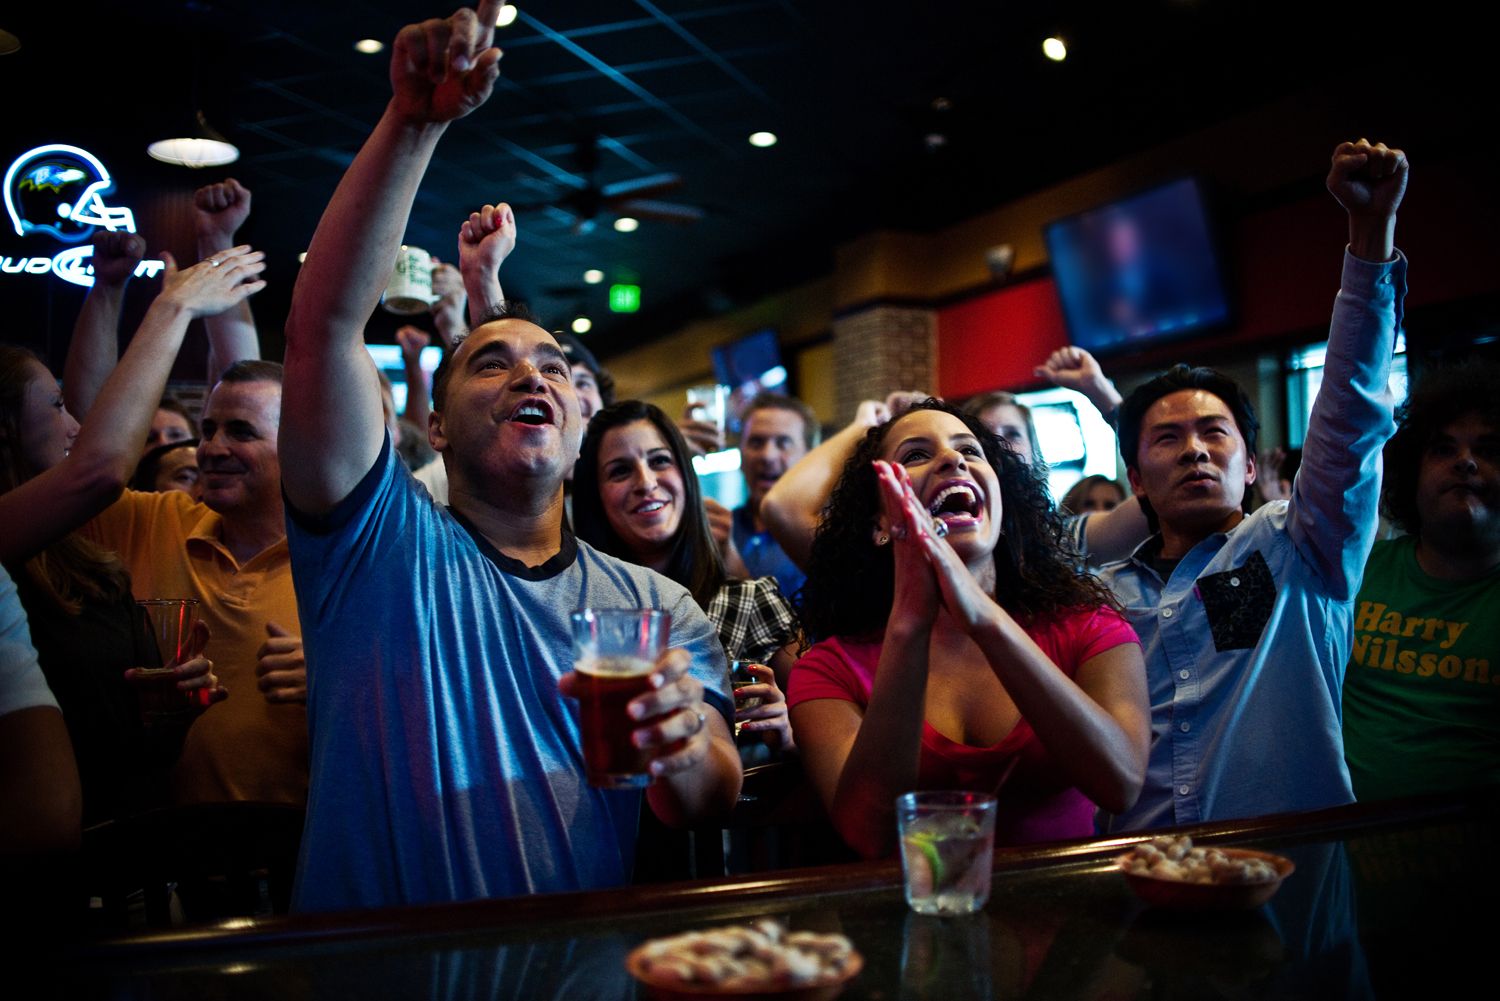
(762, 139)
(507, 16)
(626, 224)
(593, 276)
(369, 46)
(1054, 49)
(582, 325)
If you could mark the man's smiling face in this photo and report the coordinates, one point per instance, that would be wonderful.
(510, 406)
(237, 461)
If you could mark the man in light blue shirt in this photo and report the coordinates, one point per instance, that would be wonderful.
(1246, 620)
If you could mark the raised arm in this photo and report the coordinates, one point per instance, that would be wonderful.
(418, 392)
(448, 310)
(794, 505)
(485, 240)
(95, 470)
(861, 759)
(219, 210)
(1332, 515)
(1103, 536)
(440, 70)
(95, 346)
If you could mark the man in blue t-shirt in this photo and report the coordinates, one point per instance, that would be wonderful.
(446, 760)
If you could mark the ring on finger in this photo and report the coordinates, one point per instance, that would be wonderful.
(214, 262)
(939, 528)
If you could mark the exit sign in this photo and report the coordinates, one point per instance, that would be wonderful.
(624, 298)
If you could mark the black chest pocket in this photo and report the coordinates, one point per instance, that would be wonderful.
(1239, 603)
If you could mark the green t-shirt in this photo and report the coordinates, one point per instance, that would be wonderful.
(1422, 693)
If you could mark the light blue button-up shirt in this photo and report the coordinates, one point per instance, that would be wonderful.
(1246, 643)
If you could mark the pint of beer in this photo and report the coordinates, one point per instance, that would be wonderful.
(614, 653)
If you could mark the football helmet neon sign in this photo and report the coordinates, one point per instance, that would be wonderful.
(58, 190)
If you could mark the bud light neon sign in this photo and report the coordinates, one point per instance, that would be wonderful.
(58, 191)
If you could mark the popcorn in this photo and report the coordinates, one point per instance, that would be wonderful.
(760, 956)
(1175, 858)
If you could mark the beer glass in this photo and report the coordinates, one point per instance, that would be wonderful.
(615, 652)
(170, 621)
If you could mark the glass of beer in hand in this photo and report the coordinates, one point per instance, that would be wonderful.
(614, 653)
(170, 624)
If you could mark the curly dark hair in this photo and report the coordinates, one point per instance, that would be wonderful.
(1439, 398)
(851, 581)
(695, 562)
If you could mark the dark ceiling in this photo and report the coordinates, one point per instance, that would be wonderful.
(852, 90)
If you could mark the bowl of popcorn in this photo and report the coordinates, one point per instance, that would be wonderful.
(744, 962)
(1171, 871)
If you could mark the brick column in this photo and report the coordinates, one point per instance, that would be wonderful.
(880, 349)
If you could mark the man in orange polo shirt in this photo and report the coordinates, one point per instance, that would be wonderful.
(230, 553)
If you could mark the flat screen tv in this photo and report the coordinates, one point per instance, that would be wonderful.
(749, 365)
(1139, 271)
(387, 358)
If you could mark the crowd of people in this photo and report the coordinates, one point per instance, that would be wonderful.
(383, 598)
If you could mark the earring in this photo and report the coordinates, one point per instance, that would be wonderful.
(881, 539)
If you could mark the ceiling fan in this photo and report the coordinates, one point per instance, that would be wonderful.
(635, 197)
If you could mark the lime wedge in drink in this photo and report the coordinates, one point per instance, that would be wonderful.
(925, 844)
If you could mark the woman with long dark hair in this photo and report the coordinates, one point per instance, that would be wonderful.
(636, 497)
(959, 645)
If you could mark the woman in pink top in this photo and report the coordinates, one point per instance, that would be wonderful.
(962, 648)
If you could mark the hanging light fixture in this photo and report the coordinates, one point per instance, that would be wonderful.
(191, 141)
(202, 146)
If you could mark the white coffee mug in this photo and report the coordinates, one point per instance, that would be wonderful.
(410, 287)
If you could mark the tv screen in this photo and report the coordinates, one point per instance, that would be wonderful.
(1138, 271)
(388, 359)
(749, 365)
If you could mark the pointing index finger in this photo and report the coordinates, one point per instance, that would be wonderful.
(488, 12)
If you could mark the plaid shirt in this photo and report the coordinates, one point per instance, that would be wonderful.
(754, 620)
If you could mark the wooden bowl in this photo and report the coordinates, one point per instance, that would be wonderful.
(1178, 895)
(676, 990)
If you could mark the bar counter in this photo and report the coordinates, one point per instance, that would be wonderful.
(1388, 901)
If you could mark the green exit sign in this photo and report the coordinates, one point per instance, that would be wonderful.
(624, 298)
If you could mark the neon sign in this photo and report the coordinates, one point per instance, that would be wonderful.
(58, 191)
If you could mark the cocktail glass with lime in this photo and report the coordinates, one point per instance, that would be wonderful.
(947, 845)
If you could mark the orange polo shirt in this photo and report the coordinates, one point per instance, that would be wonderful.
(243, 748)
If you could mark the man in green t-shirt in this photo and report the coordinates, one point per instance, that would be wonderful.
(1422, 694)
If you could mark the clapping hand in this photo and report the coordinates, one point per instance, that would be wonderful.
(959, 591)
(916, 595)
